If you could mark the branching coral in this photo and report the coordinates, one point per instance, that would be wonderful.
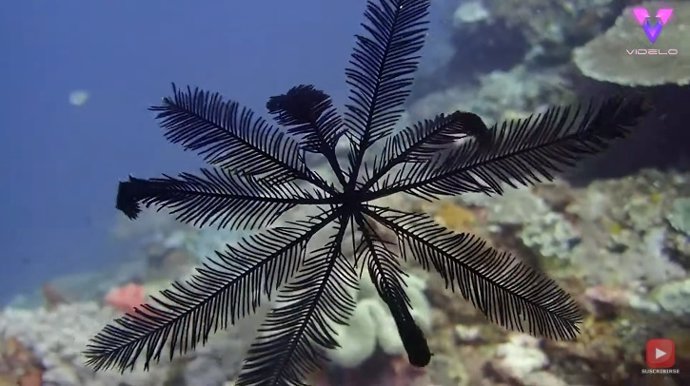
(549, 233)
(625, 236)
(613, 232)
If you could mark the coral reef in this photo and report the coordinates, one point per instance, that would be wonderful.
(492, 45)
(553, 27)
(537, 226)
(18, 366)
(82, 286)
(551, 235)
(674, 298)
(669, 301)
(625, 222)
(126, 298)
(617, 247)
(607, 58)
(453, 216)
(630, 278)
(499, 95)
(678, 242)
(522, 361)
(679, 216)
(612, 232)
(534, 31)
(166, 261)
(376, 371)
(470, 12)
(56, 338)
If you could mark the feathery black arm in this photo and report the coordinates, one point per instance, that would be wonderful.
(287, 348)
(309, 112)
(388, 278)
(216, 197)
(524, 152)
(506, 290)
(222, 291)
(381, 71)
(424, 140)
(231, 137)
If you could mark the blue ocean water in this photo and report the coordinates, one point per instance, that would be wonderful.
(60, 163)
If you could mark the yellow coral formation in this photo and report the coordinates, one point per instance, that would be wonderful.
(614, 227)
(455, 217)
(656, 197)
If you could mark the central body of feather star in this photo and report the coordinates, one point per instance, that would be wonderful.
(351, 200)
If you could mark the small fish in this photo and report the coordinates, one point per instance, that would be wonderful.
(78, 97)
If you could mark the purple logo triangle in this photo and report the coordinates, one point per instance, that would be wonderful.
(652, 31)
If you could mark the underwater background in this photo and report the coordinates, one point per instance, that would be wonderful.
(615, 232)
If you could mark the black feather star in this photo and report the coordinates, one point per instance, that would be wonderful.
(260, 172)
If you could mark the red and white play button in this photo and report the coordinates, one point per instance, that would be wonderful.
(658, 354)
(661, 353)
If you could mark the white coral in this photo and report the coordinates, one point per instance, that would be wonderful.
(58, 337)
(372, 324)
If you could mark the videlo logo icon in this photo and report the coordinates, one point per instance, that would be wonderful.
(652, 26)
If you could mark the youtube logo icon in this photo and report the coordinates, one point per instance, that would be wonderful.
(660, 354)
